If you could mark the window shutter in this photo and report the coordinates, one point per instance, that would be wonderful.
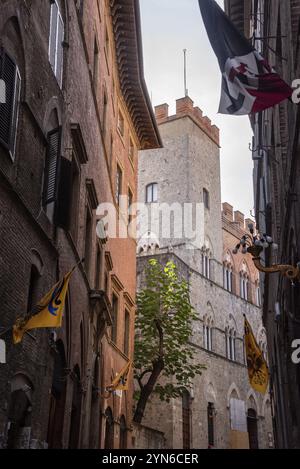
(52, 166)
(64, 195)
(9, 110)
(53, 35)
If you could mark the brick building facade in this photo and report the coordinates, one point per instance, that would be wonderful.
(76, 113)
(220, 410)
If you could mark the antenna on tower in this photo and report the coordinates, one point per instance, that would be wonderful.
(186, 91)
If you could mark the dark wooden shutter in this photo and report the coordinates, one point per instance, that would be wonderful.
(64, 195)
(52, 166)
(8, 72)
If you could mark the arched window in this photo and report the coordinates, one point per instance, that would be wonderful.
(206, 263)
(186, 420)
(152, 193)
(207, 334)
(230, 336)
(56, 39)
(228, 273)
(123, 433)
(244, 282)
(109, 429)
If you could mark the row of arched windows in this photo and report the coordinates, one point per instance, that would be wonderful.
(231, 339)
(244, 287)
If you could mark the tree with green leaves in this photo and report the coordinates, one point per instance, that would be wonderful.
(163, 329)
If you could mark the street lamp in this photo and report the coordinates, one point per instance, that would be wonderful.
(254, 244)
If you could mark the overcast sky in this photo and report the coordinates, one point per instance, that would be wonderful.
(169, 26)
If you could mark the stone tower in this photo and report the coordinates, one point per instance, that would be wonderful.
(186, 171)
(220, 409)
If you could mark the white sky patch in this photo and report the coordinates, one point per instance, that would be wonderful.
(168, 27)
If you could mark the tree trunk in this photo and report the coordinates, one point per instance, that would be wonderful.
(147, 390)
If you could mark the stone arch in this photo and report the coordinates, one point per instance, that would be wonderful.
(209, 315)
(244, 267)
(228, 258)
(233, 393)
(252, 402)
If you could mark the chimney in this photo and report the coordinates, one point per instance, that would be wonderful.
(228, 211)
(239, 218)
(161, 112)
(184, 105)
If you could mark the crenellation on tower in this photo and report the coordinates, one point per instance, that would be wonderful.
(185, 107)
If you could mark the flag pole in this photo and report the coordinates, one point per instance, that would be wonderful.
(186, 92)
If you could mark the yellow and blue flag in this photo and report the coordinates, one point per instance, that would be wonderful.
(120, 383)
(257, 366)
(47, 313)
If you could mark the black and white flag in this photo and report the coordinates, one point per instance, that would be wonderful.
(249, 84)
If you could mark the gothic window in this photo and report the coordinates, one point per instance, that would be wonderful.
(207, 334)
(227, 277)
(56, 41)
(10, 82)
(230, 336)
(244, 282)
(206, 264)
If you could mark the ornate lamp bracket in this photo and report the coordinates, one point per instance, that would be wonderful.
(254, 244)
